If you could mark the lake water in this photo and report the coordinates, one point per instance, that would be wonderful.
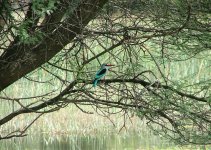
(111, 141)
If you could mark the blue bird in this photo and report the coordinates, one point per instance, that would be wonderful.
(101, 73)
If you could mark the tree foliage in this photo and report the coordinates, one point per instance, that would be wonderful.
(146, 40)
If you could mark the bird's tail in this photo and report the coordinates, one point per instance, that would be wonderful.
(95, 82)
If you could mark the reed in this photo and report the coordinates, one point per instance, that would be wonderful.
(71, 121)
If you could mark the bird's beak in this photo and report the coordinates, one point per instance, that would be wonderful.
(110, 65)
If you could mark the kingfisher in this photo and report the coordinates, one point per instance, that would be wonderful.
(101, 73)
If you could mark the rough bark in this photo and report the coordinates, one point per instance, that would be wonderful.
(20, 60)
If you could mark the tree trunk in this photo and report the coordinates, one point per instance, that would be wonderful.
(19, 59)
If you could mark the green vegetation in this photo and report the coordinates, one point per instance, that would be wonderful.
(70, 125)
(50, 51)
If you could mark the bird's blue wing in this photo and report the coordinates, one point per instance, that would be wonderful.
(101, 73)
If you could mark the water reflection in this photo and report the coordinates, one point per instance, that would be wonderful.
(111, 141)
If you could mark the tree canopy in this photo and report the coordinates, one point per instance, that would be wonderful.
(160, 49)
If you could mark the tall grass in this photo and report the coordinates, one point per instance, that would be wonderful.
(70, 119)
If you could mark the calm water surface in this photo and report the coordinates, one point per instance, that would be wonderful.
(111, 141)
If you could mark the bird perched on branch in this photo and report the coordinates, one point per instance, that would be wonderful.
(101, 73)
